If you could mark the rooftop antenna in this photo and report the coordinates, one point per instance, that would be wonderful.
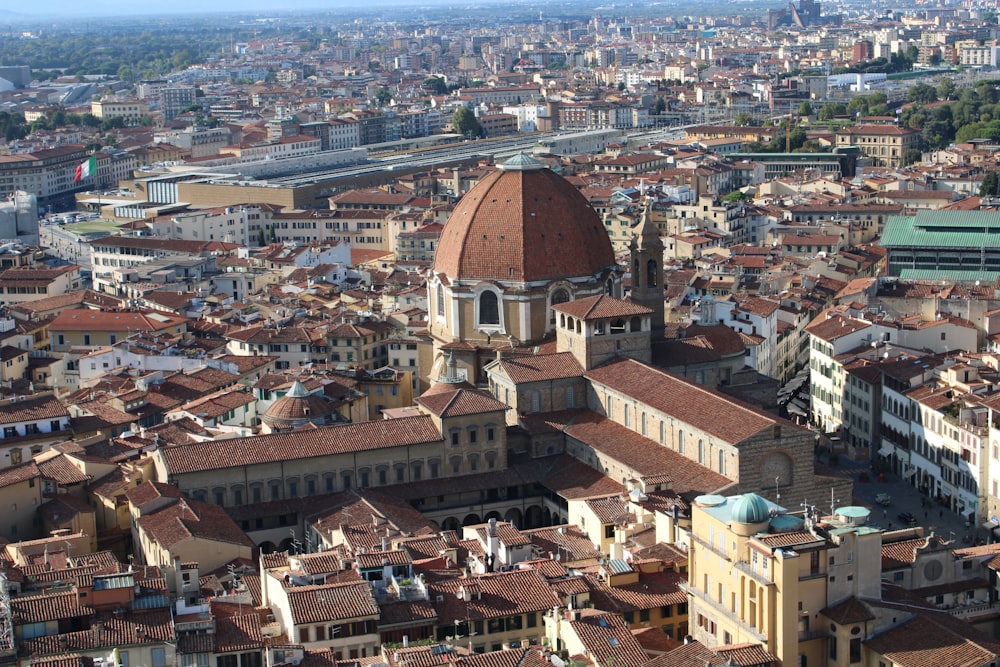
(833, 502)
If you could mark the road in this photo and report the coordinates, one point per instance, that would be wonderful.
(905, 498)
(67, 245)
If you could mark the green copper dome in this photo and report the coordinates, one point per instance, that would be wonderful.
(750, 508)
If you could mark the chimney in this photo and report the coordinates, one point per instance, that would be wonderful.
(385, 544)
(493, 544)
(178, 580)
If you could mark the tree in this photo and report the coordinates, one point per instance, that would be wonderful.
(991, 185)
(466, 123)
(921, 93)
(659, 107)
(832, 109)
(946, 89)
(382, 96)
(910, 156)
(805, 109)
(436, 85)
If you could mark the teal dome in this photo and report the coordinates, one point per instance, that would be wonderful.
(750, 508)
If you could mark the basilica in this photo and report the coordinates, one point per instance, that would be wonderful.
(541, 402)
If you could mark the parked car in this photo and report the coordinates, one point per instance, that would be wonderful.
(883, 499)
(907, 518)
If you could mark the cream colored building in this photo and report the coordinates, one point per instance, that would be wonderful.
(167, 528)
(130, 110)
(760, 575)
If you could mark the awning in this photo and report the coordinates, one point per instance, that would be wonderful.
(885, 450)
(909, 473)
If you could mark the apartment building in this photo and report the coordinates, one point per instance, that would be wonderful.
(121, 252)
(115, 107)
(46, 173)
(884, 144)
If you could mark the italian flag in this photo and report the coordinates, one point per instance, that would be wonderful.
(85, 170)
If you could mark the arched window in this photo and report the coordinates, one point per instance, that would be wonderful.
(489, 308)
(609, 287)
(651, 271)
(440, 300)
(559, 296)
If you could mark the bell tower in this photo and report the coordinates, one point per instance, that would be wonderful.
(646, 253)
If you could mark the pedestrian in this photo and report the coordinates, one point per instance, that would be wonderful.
(885, 513)
(940, 513)
(925, 514)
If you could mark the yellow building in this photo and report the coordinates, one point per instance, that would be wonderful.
(167, 527)
(884, 144)
(130, 110)
(759, 575)
(95, 328)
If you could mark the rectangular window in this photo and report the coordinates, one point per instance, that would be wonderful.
(159, 656)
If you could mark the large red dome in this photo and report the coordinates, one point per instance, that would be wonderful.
(523, 223)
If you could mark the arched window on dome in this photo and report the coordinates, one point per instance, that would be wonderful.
(609, 287)
(440, 300)
(559, 296)
(489, 309)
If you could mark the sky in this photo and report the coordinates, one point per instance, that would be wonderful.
(63, 8)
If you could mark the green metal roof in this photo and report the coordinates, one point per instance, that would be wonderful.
(942, 230)
(949, 275)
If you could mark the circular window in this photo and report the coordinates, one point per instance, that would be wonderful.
(855, 630)
(833, 628)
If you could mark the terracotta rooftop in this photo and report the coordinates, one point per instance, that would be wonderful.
(712, 412)
(363, 436)
(601, 306)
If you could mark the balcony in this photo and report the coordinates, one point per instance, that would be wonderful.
(760, 576)
(973, 611)
(720, 609)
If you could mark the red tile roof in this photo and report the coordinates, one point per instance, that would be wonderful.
(646, 458)
(927, 640)
(461, 402)
(601, 306)
(44, 407)
(608, 640)
(331, 602)
(541, 368)
(181, 519)
(87, 320)
(364, 436)
(501, 594)
(523, 225)
(716, 414)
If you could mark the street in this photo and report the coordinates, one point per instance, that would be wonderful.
(67, 245)
(906, 499)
